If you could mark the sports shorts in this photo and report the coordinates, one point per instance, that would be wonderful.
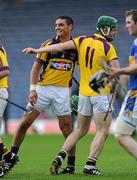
(87, 105)
(127, 119)
(53, 98)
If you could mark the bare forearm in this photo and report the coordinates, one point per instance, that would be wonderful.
(115, 64)
(34, 76)
(57, 47)
(129, 70)
(51, 48)
(35, 73)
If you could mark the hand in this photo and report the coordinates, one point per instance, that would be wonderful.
(29, 50)
(113, 72)
(33, 97)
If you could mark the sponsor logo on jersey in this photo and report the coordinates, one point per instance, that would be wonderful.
(62, 66)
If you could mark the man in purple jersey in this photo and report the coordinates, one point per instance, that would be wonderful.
(127, 119)
(50, 82)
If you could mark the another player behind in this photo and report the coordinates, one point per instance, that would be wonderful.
(4, 72)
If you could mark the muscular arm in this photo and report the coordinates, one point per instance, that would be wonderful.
(52, 48)
(132, 69)
(33, 81)
(114, 72)
(35, 73)
(114, 63)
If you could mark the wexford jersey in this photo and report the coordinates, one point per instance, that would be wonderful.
(91, 49)
(58, 67)
(3, 66)
(133, 60)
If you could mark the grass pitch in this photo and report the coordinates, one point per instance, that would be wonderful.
(38, 151)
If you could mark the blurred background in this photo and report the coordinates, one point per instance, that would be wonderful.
(26, 23)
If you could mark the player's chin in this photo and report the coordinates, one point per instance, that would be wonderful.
(59, 34)
(131, 33)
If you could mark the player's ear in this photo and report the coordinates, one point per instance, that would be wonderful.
(71, 27)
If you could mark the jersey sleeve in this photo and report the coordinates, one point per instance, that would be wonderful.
(77, 41)
(42, 57)
(112, 54)
(132, 59)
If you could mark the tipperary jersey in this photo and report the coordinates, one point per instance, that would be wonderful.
(91, 49)
(3, 66)
(57, 67)
(133, 60)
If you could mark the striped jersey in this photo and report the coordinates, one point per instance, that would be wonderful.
(133, 60)
(57, 67)
(91, 49)
(3, 66)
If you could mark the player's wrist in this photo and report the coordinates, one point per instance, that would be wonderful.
(121, 71)
(33, 87)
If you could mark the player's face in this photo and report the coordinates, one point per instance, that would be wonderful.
(112, 34)
(62, 28)
(131, 26)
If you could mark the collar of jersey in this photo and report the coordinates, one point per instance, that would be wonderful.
(99, 35)
(58, 40)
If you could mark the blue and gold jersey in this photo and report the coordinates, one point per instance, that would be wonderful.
(3, 66)
(133, 60)
(57, 67)
(92, 49)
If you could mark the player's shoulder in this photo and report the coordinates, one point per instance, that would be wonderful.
(81, 36)
(113, 48)
(111, 45)
(45, 43)
(79, 39)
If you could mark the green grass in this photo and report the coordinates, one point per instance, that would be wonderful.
(38, 151)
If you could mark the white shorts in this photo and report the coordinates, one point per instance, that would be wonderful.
(3, 103)
(88, 105)
(54, 98)
(128, 115)
(129, 108)
(122, 127)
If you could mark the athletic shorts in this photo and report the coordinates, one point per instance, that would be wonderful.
(88, 105)
(128, 113)
(122, 127)
(3, 103)
(54, 98)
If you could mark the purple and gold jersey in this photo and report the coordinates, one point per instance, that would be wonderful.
(3, 66)
(91, 49)
(133, 60)
(58, 67)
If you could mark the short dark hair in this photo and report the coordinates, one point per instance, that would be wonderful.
(132, 12)
(68, 19)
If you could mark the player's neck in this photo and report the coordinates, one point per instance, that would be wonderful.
(64, 38)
